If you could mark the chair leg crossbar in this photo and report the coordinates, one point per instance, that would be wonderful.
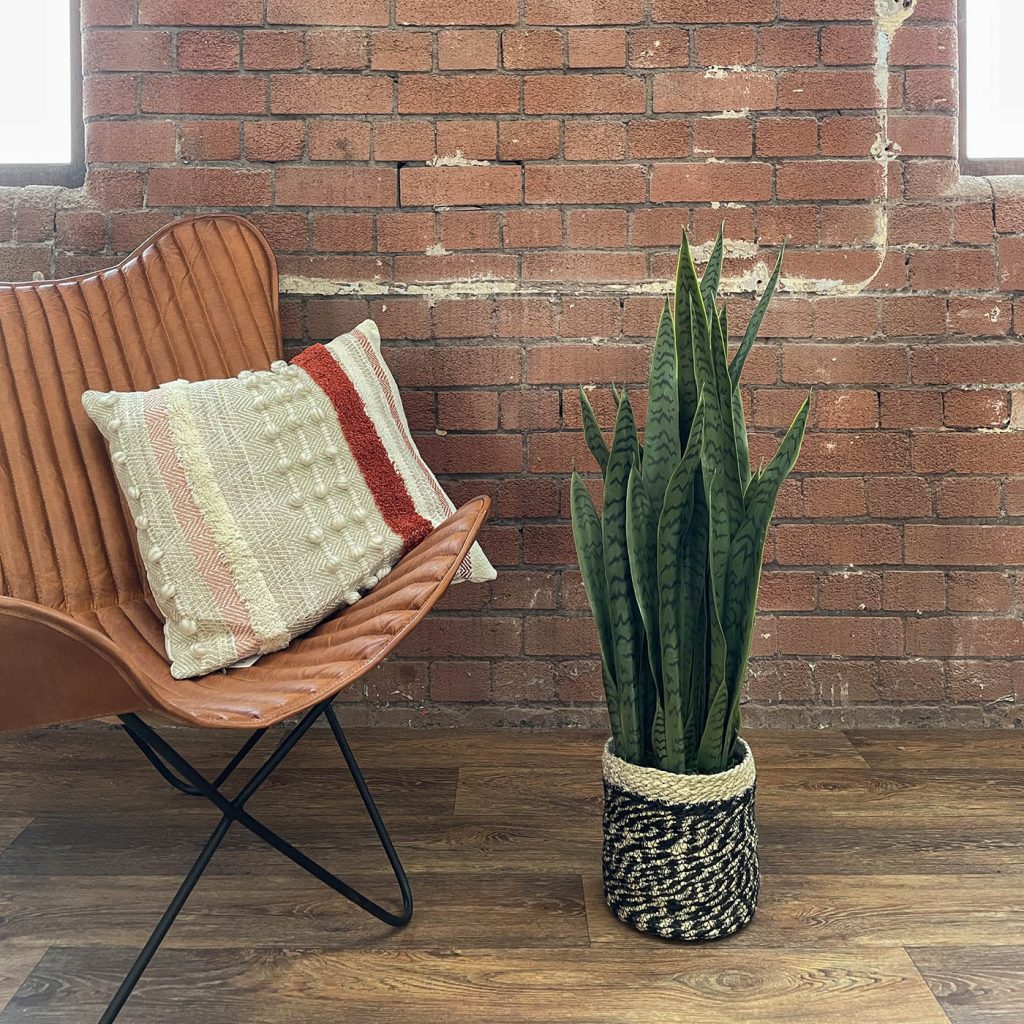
(176, 770)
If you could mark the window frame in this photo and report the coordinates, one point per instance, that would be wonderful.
(71, 174)
(987, 167)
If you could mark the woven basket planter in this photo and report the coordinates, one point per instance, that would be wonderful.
(680, 851)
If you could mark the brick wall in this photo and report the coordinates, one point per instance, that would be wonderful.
(502, 184)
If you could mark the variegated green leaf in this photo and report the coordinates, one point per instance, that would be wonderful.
(676, 590)
(626, 625)
(661, 437)
(745, 557)
(592, 432)
(642, 543)
(658, 740)
(687, 286)
(731, 473)
(713, 271)
(586, 531)
(736, 367)
(712, 741)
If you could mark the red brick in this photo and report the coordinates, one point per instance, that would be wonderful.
(470, 229)
(202, 94)
(597, 48)
(958, 452)
(913, 590)
(108, 95)
(838, 10)
(336, 186)
(107, 12)
(862, 544)
(596, 229)
(274, 140)
(461, 186)
(786, 46)
(968, 497)
(594, 140)
(989, 409)
(659, 48)
(923, 134)
(530, 49)
(337, 50)
(126, 50)
(531, 409)
(583, 266)
(458, 94)
(828, 90)
(527, 140)
(787, 136)
(208, 186)
(352, 232)
(849, 44)
(724, 47)
(474, 140)
(403, 140)
(533, 229)
(850, 591)
(338, 140)
(952, 269)
(651, 140)
(467, 50)
(584, 94)
(563, 363)
(209, 51)
(695, 11)
(692, 91)
(978, 592)
(401, 51)
(914, 315)
(842, 635)
(456, 12)
(1011, 264)
(724, 182)
(982, 317)
(931, 89)
(923, 44)
(723, 137)
(112, 142)
(964, 636)
(584, 12)
(197, 12)
(327, 12)
(330, 94)
(209, 140)
(130, 229)
(272, 50)
(602, 184)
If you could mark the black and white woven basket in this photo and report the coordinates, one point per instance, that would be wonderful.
(680, 851)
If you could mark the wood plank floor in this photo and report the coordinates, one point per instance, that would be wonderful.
(893, 887)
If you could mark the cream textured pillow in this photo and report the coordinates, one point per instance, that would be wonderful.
(265, 502)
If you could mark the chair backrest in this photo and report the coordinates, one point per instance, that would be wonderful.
(198, 300)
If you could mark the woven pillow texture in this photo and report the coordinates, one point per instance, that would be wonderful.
(263, 503)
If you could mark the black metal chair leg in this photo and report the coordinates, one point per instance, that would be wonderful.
(168, 761)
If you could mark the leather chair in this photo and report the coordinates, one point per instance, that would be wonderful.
(80, 636)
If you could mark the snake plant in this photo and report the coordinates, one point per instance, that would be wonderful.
(672, 566)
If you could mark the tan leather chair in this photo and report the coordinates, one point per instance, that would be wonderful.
(80, 637)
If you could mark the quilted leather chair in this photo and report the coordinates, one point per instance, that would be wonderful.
(80, 636)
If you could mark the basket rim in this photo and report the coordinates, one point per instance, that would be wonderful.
(670, 787)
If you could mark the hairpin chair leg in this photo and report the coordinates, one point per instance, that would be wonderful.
(168, 762)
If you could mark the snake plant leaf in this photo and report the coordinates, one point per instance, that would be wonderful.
(677, 592)
(659, 742)
(736, 367)
(586, 532)
(713, 271)
(642, 544)
(687, 286)
(712, 741)
(746, 554)
(626, 624)
(592, 432)
(732, 478)
(661, 437)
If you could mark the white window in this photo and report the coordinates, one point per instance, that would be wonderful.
(991, 86)
(40, 92)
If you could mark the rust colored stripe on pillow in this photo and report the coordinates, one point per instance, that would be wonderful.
(384, 481)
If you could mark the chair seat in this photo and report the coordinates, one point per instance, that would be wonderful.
(314, 666)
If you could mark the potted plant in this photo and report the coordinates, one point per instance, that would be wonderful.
(671, 570)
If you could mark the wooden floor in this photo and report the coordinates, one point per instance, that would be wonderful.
(893, 887)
